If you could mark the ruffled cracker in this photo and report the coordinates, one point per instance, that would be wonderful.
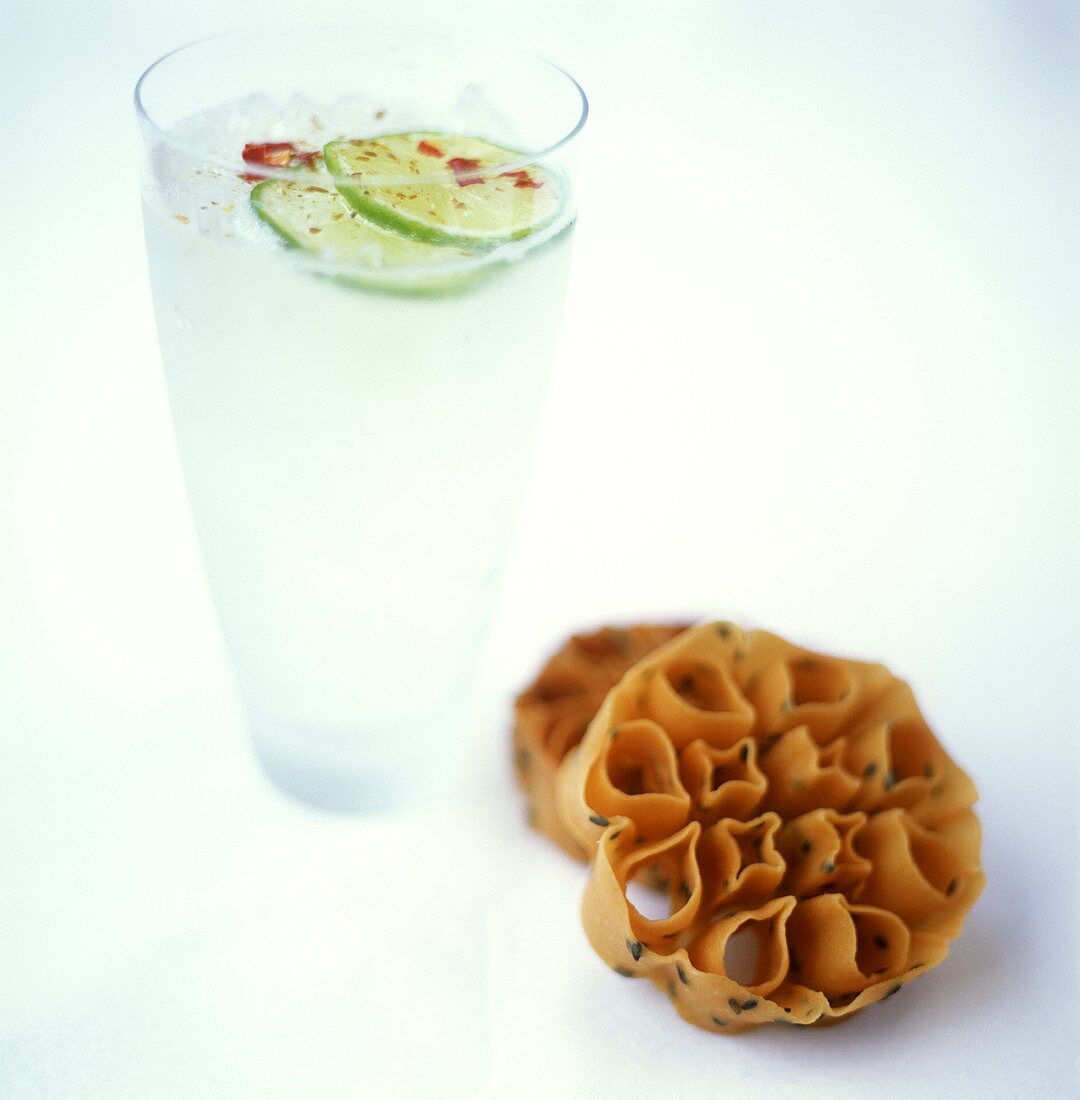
(816, 843)
(552, 714)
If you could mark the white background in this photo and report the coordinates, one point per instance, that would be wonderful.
(818, 373)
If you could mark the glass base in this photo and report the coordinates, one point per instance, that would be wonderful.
(352, 770)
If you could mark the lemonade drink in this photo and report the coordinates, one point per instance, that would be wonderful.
(355, 384)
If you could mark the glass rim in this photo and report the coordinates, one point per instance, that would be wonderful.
(524, 160)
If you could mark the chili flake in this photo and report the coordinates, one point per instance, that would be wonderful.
(464, 169)
(522, 179)
(276, 154)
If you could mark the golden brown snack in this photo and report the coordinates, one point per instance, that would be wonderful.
(817, 842)
(551, 716)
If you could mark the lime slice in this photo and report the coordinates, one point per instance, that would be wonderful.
(467, 193)
(317, 220)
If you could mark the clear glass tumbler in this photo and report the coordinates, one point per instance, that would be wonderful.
(354, 424)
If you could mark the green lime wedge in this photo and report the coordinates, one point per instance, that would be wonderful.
(467, 191)
(317, 220)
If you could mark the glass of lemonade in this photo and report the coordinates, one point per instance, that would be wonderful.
(358, 245)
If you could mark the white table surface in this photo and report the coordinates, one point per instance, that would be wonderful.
(818, 373)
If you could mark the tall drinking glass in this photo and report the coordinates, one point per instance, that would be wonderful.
(358, 244)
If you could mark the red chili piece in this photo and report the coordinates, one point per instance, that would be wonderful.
(276, 154)
(462, 167)
(272, 154)
(522, 178)
(429, 150)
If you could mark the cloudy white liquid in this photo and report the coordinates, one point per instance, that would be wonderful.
(354, 461)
